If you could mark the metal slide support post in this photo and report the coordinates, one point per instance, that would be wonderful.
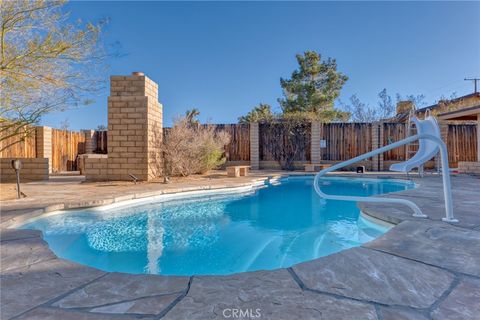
(447, 188)
(417, 212)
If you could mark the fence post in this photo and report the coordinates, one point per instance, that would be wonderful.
(377, 142)
(90, 142)
(44, 144)
(315, 155)
(254, 146)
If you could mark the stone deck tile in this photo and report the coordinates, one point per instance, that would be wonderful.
(275, 293)
(18, 234)
(48, 313)
(20, 209)
(394, 313)
(435, 243)
(370, 275)
(122, 293)
(36, 284)
(21, 253)
(395, 213)
(465, 194)
(144, 306)
(462, 303)
(465, 209)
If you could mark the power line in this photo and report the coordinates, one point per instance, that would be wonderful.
(474, 80)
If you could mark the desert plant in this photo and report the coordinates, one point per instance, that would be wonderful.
(46, 63)
(190, 149)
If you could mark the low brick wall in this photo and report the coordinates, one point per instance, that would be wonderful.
(33, 169)
(83, 157)
(96, 169)
(469, 167)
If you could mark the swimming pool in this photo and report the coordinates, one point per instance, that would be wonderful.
(274, 226)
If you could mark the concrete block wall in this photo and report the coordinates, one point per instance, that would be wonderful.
(82, 158)
(377, 142)
(316, 136)
(469, 167)
(154, 130)
(33, 169)
(254, 146)
(134, 131)
(44, 144)
(96, 169)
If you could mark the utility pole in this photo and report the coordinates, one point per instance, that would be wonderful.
(474, 82)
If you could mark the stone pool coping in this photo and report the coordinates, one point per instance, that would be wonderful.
(420, 269)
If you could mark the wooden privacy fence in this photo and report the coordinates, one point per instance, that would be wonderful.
(393, 132)
(462, 143)
(66, 146)
(345, 140)
(100, 142)
(22, 145)
(238, 149)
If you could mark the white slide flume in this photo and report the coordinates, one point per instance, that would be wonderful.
(430, 143)
(427, 149)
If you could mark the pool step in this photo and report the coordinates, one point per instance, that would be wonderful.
(302, 248)
(261, 257)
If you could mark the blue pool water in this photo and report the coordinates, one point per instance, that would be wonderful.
(272, 227)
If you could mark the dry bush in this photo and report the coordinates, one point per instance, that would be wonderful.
(190, 149)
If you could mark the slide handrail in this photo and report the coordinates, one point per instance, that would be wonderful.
(447, 191)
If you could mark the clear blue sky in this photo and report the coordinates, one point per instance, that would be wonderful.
(225, 57)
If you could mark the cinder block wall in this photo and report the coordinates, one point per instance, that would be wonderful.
(469, 167)
(96, 169)
(33, 169)
(254, 146)
(134, 131)
(154, 130)
(44, 144)
(377, 142)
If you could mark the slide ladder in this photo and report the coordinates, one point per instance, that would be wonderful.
(412, 148)
(430, 143)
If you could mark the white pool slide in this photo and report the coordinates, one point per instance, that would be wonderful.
(430, 143)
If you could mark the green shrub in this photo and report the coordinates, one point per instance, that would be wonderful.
(189, 148)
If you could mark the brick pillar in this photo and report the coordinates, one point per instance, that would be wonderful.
(315, 152)
(134, 128)
(377, 142)
(44, 144)
(90, 142)
(254, 146)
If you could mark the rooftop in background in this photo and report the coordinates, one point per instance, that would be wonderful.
(461, 103)
(472, 113)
